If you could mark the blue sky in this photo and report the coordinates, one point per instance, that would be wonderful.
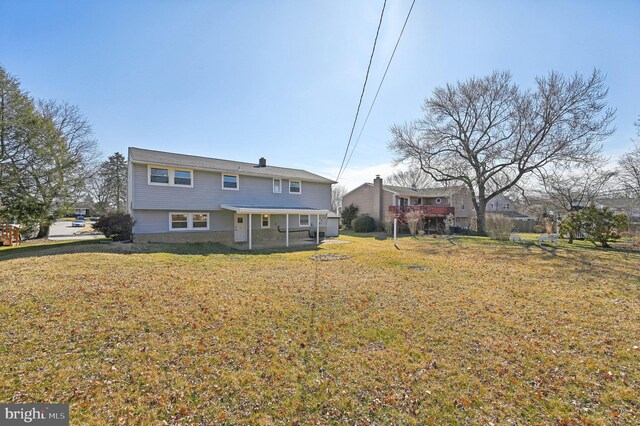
(281, 79)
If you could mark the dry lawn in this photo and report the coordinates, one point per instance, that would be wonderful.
(467, 331)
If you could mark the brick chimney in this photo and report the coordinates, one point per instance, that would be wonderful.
(262, 162)
(378, 200)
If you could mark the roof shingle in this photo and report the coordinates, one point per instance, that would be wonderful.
(160, 158)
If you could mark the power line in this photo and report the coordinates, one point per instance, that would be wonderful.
(364, 86)
(380, 86)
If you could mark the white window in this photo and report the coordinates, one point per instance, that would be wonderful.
(200, 220)
(277, 186)
(304, 220)
(188, 221)
(169, 176)
(157, 175)
(230, 182)
(182, 177)
(179, 221)
(266, 221)
(295, 187)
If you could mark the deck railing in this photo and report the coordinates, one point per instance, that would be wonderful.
(427, 211)
(9, 235)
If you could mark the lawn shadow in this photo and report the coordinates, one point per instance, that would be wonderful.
(375, 235)
(583, 258)
(107, 246)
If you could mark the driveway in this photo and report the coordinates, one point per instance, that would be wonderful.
(62, 230)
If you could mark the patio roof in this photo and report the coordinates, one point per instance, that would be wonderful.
(277, 210)
(273, 209)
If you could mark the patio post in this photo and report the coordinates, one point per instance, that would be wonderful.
(317, 229)
(250, 231)
(287, 231)
(395, 231)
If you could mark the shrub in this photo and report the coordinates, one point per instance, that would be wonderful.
(116, 226)
(364, 224)
(413, 219)
(548, 225)
(387, 223)
(601, 226)
(539, 229)
(571, 225)
(348, 215)
(498, 226)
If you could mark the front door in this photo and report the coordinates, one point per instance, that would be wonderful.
(239, 228)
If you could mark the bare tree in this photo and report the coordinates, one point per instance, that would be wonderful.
(411, 177)
(629, 167)
(337, 192)
(99, 193)
(487, 134)
(569, 189)
(76, 133)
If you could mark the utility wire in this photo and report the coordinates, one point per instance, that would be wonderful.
(380, 85)
(364, 86)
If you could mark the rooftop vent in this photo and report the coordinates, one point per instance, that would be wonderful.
(262, 162)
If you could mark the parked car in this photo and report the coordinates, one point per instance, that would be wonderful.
(78, 223)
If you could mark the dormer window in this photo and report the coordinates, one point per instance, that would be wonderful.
(295, 187)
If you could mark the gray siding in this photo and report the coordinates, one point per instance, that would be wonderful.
(153, 221)
(281, 220)
(207, 193)
(157, 221)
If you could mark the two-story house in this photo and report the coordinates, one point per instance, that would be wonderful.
(434, 204)
(186, 198)
(505, 206)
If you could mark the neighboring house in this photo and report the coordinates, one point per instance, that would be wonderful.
(80, 209)
(500, 203)
(185, 198)
(628, 206)
(379, 200)
(505, 206)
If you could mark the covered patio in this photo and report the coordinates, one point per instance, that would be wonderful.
(242, 211)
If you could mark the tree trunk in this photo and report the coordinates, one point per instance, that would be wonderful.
(480, 214)
(43, 232)
(570, 238)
